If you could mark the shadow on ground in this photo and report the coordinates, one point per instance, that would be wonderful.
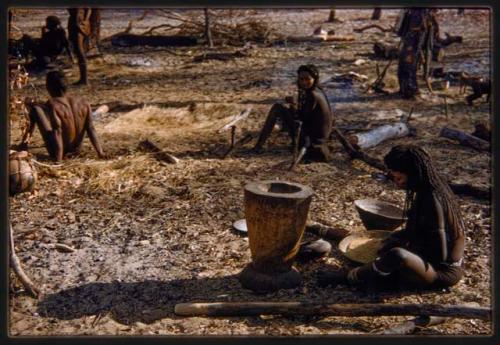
(148, 301)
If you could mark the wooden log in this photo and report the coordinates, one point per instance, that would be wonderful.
(131, 40)
(148, 146)
(408, 327)
(219, 56)
(320, 309)
(18, 270)
(478, 192)
(465, 139)
(358, 154)
(103, 109)
(327, 232)
(276, 214)
(243, 115)
(482, 131)
(377, 135)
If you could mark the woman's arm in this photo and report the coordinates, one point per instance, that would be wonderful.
(441, 229)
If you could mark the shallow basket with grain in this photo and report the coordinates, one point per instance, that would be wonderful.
(363, 247)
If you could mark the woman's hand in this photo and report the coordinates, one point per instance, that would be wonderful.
(388, 244)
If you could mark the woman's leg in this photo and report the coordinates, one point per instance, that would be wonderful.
(411, 269)
(277, 111)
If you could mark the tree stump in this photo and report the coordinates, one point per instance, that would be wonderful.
(276, 215)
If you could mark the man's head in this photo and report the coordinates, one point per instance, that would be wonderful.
(52, 22)
(56, 83)
(308, 76)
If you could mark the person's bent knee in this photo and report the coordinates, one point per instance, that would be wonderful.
(398, 254)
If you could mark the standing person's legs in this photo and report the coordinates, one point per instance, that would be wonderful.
(78, 42)
(277, 111)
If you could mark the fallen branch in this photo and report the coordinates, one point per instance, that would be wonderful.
(64, 248)
(243, 115)
(465, 139)
(219, 56)
(374, 26)
(18, 270)
(319, 309)
(131, 40)
(128, 28)
(408, 327)
(148, 146)
(477, 192)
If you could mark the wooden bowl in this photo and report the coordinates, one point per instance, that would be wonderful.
(381, 215)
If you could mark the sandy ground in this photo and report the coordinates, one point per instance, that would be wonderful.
(149, 235)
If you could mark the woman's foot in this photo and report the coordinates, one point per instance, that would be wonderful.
(314, 250)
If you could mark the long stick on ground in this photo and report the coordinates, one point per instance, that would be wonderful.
(16, 266)
(309, 308)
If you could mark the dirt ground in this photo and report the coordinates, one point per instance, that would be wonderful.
(149, 235)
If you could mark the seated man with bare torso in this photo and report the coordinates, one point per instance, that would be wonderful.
(63, 120)
(52, 43)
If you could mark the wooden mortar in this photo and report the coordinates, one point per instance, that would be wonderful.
(276, 215)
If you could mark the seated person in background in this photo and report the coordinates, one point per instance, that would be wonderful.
(63, 120)
(52, 43)
(429, 251)
(313, 110)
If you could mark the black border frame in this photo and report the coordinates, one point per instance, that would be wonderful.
(318, 340)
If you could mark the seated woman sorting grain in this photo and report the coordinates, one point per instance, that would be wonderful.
(429, 251)
(313, 111)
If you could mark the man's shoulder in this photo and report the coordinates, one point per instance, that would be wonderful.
(76, 99)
